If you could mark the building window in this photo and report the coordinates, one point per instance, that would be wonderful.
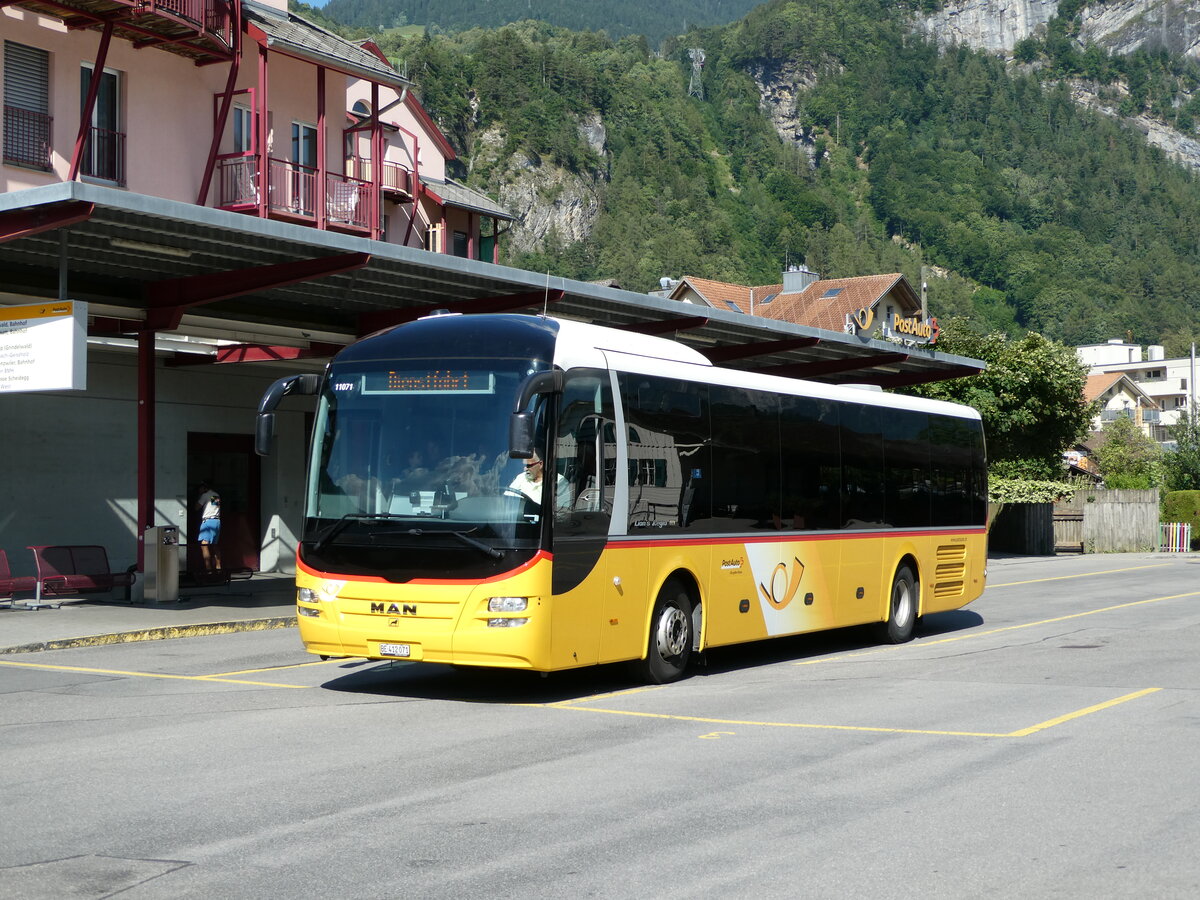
(462, 244)
(104, 150)
(27, 120)
(1183, 384)
(243, 129)
(304, 145)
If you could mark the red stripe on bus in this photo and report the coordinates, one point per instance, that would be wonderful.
(626, 544)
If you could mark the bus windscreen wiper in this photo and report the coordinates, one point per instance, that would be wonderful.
(337, 527)
(465, 538)
(332, 531)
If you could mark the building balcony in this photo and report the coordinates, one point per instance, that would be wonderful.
(201, 30)
(396, 180)
(292, 192)
(27, 138)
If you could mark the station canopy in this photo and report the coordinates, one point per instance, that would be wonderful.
(251, 289)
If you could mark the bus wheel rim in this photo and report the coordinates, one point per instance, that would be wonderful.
(902, 603)
(672, 632)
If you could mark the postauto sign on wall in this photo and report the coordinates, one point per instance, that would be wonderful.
(43, 347)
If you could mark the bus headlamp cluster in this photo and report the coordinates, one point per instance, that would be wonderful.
(308, 611)
(506, 623)
(308, 595)
(508, 604)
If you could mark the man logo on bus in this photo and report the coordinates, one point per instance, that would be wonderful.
(395, 609)
(783, 586)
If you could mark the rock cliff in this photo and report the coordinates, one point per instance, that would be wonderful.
(992, 25)
(548, 200)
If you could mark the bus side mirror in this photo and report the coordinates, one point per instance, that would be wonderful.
(264, 426)
(520, 435)
(264, 433)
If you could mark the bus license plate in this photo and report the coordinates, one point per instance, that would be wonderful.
(402, 650)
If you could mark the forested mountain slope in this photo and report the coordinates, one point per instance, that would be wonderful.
(1031, 210)
(615, 17)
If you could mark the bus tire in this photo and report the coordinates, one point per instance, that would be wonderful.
(902, 608)
(671, 636)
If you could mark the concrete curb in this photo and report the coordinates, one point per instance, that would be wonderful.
(163, 633)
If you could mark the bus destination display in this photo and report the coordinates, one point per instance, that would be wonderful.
(438, 381)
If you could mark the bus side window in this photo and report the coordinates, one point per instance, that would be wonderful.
(583, 458)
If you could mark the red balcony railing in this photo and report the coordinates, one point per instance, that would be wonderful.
(347, 201)
(201, 30)
(291, 188)
(237, 181)
(104, 155)
(27, 137)
(395, 177)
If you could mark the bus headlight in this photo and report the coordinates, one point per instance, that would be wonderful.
(508, 604)
(308, 611)
(506, 623)
(307, 595)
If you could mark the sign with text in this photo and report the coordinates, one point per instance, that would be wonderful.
(43, 347)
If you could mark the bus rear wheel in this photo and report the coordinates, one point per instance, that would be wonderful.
(670, 636)
(902, 608)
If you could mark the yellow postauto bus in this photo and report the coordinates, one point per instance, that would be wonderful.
(527, 492)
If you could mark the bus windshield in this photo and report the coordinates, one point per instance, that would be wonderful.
(412, 459)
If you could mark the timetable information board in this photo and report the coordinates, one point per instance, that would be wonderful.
(43, 347)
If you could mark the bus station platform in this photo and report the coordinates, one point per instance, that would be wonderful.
(263, 602)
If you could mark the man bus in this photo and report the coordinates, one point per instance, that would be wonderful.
(683, 506)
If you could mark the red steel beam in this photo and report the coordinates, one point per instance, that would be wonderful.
(369, 323)
(666, 326)
(89, 103)
(20, 223)
(833, 366)
(265, 353)
(760, 348)
(166, 301)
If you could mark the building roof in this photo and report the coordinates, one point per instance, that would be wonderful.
(452, 193)
(294, 35)
(723, 295)
(826, 303)
(1096, 385)
(823, 304)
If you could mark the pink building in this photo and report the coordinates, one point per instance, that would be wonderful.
(245, 108)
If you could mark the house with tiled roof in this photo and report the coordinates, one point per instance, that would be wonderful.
(804, 298)
(1117, 395)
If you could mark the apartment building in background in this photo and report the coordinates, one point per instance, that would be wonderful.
(243, 107)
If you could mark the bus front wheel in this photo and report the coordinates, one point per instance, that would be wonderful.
(670, 636)
(902, 608)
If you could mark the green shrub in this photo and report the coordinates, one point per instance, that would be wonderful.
(1183, 506)
(1024, 490)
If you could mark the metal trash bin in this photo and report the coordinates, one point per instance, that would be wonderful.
(161, 549)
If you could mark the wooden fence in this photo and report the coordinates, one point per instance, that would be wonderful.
(1091, 522)
(1107, 522)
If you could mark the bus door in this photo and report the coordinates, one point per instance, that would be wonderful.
(584, 502)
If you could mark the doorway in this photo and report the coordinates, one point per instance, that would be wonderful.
(231, 467)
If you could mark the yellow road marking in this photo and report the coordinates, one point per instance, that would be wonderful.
(1050, 723)
(89, 671)
(318, 662)
(978, 634)
(1022, 732)
(1081, 575)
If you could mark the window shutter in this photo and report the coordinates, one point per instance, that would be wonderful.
(26, 77)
